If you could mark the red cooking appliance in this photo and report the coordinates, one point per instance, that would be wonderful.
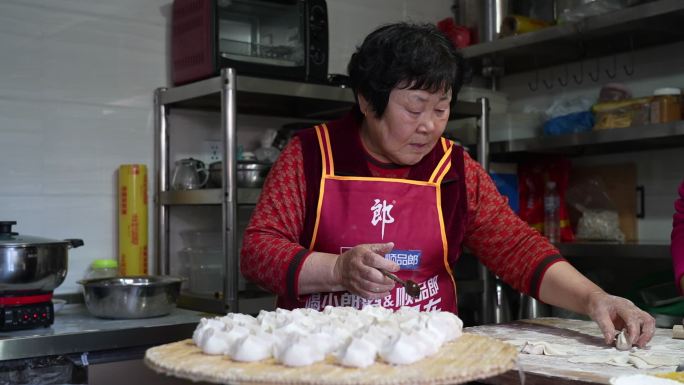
(30, 269)
(25, 311)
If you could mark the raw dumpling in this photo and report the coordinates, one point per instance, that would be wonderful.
(622, 341)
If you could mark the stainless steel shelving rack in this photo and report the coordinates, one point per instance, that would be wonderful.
(646, 25)
(637, 138)
(230, 95)
(619, 140)
(642, 26)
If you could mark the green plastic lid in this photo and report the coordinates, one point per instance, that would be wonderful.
(104, 264)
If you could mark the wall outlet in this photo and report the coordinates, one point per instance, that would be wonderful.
(213, 151)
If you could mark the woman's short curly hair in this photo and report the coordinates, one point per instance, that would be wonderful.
(405, 55)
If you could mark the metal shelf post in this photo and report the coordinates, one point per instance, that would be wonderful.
(483, 158)
(229, 185)
(161, 172)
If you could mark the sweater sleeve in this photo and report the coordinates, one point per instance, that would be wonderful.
(677, 246)
(271, 256)
(502, 241)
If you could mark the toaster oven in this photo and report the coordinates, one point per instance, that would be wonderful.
(286, 39)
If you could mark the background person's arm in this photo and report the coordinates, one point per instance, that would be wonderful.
(677, 246)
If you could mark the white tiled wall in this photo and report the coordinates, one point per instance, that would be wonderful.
(660, 171)
(351, 20)
(76, 79)
(76, 83)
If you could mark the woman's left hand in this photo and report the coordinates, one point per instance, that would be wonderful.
(612, 314)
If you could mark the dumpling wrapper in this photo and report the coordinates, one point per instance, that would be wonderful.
(622, 341)
(543, 348)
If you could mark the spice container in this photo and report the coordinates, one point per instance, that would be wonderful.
(666, 105)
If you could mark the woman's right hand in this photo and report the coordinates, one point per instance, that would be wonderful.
(357, 270)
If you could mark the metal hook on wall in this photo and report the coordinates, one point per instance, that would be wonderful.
(536, 82)
(580, 79)
(564, 81)
(548, 85)
(612, 73)
(629, 71)
(595, 77)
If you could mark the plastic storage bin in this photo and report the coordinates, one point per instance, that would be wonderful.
(201, 239)
(206, 271)
(623, 113)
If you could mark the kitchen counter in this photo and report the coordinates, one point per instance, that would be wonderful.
(577, 334)
(75, 330)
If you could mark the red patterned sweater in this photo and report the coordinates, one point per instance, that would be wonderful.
(501, 240)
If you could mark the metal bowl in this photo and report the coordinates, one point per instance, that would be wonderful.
(252, 174)
(249, 173)
(131, 297)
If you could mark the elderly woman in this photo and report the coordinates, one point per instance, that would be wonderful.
(380, 189)
(677, 246)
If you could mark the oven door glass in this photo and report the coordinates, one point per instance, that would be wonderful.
(263, 32)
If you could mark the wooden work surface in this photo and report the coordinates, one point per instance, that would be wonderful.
(585, 335)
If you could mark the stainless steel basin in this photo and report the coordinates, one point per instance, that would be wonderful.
(131, 297)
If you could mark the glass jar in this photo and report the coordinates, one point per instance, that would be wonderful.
(666, 105)
(102, 268)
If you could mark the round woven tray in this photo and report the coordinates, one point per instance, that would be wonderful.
(469, 358)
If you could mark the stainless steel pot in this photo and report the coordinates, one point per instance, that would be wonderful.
(249, 173)
(29, 263)
(215, 174)
(484, 17)
(252, 174)
(131, 297)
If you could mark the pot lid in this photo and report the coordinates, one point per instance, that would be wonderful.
(10, 238)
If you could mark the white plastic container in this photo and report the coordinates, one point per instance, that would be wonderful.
(102, 268)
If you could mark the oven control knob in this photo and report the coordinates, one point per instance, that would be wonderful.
(317, 56)
(317, 15)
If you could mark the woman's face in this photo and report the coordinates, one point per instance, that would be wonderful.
(410, 127)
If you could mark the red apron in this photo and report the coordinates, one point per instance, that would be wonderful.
(356, 210)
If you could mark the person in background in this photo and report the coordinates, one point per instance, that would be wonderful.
(677, 246)
(380, 189)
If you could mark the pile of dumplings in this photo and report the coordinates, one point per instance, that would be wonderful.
(355, 338)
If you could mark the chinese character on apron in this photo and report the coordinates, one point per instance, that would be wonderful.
(359, 210)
